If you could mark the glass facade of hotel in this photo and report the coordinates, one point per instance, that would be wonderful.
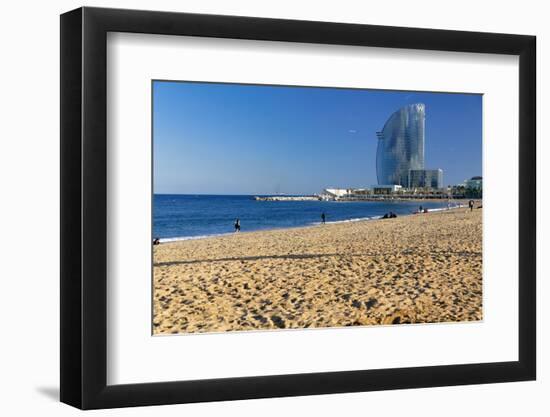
(426, 178)
(401, 145)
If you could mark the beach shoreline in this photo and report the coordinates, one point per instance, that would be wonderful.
(423, 268)
(164, 241)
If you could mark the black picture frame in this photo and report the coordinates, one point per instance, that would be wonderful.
(84, 207)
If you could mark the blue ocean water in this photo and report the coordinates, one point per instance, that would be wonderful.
(193, 216)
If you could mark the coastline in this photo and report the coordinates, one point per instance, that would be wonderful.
(164, 241)
(423, 268)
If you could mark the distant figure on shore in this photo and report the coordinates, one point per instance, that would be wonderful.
(323, 218)
(471, 204)
(237, 225)
(386, 216)
(156, 241)
(425, 210)
(420, 210)
(392, 215)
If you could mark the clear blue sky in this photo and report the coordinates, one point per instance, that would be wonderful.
(251, 139)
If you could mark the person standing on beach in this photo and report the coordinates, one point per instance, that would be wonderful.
(237, 225)
(471, 204)
(323, 218)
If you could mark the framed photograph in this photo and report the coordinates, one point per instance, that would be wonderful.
(259, 208)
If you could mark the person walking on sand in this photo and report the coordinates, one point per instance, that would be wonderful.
(237, 226)
(471, 204)
(323, 218)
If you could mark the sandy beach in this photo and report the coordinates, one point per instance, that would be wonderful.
(422, 268)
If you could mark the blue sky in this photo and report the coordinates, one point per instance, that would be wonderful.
(251, 139)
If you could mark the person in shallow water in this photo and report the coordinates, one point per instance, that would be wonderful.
(323, 218)
(237, 225)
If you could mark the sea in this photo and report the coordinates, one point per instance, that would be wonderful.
(182, 217)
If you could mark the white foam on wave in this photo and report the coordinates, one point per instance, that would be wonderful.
(180, 238)
(358, 219)
(447, 208)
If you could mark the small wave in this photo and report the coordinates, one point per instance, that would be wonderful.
(447, 208)
(358, 219)
(180, 238)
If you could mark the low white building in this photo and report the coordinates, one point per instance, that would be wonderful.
(337, 192)
(386, 189)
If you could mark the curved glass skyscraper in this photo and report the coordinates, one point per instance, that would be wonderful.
(401, 145)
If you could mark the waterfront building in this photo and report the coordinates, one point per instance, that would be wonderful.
(337, 192)
(474, 183)
(385, 189)
(474, 187)
(426, 178)
(401, 145)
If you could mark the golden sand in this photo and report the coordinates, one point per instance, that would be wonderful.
(423, 268)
